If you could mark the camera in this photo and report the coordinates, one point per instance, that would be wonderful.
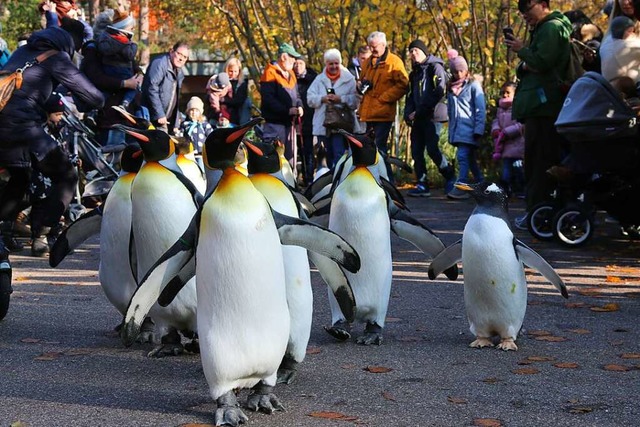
(331, 91)
(365, 85)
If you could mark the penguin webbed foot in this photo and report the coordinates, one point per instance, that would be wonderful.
(193, 346)
(171, 346)
(372, 335)
(340, 330)
(228, 411)
(507, 344)
(262, 399)
(287, 371)
(146, 331)
(481, 342)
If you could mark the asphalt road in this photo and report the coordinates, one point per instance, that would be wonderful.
(578, 362)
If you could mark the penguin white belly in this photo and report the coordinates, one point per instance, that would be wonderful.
(116, 276)
(359, 214)
(296, 268)
(192, 171)
(162, 209)
(243, 320)
(495, 288)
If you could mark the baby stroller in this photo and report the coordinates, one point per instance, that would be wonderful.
(603, 165)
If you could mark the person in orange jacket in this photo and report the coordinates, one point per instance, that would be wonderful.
(384, 80)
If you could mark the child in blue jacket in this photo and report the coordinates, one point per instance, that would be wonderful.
(466, 108)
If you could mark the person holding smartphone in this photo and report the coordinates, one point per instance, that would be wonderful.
(335, 85)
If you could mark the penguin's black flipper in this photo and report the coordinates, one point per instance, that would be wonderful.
(75, 234)
(335, 278)
(153, 283)
(318, 184)
(400, 164)
(532, 259)
(177, 283)
(393, 192)
(298, 232)
(303, 202)
(323, 202)
(446, 260)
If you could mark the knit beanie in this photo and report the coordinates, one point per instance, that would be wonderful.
(419, 44)
(226, 114)
(619, 25)
(54, 104)
(122, 21)
(458, 64)
(76, 29)
(452, 53)
(195, 103)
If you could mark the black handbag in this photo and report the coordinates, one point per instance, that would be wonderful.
(339, 116)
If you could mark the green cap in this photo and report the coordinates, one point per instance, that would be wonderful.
(288, 49)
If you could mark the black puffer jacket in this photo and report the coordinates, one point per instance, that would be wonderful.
(22, 118)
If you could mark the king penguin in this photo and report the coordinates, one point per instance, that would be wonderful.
(495, 287)
(163, 203)
(362, 212)
(243, 320)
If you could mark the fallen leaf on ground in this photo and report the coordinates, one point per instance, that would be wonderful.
(457, 400)
(409, 339)
(17, 424)
(577, 409)
(539, 333)
(613, 279)
(619, 269)
(540, 358)
(630, 355)
(612, 306)
(314, 350)
(590, 292)
(575, 304)
(487, 422)
(392, 319)
(30, 340)
(378, 369)
(566, 365)
(526, 371)
(332, 416)
(580, 331)
(616, 368)
(491, 380)
(551, 338)
(52, 355)
(19, 279)
(349, 366)
(388, 396)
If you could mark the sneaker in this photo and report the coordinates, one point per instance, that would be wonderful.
(420, 190)
(457, 194)
(521, 222)
(448, 186)
(11, 243)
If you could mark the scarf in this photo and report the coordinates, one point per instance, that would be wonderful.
(456, 86)
(332, 77)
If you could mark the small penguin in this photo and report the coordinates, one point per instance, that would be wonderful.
(495, 287)
(362, 212)
(188, 165)
(243, 318)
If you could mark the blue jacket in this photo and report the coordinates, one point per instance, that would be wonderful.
(161, 88)
(427, 86)
(467, 113)
(22, 118)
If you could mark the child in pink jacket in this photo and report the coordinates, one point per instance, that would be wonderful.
(508, 136)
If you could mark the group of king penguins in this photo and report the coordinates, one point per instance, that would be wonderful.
(219, 259)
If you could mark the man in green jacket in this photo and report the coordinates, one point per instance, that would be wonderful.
(539, 96)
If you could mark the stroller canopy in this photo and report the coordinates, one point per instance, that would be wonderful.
(593, 110)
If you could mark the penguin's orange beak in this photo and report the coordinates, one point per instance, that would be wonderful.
(353, 140)
(138, 136)
(253, 148)
(463, 187)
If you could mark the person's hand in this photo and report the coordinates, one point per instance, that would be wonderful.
(294, 111)
(132, 83)
(162, 121)
(514, 44)
(412, 116)
(49, 6)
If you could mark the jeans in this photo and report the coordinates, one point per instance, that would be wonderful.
(511, 175)
(381, 131)
(335, 145)
(307, 156)
(467, 162)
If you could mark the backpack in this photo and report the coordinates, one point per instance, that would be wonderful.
(440, 111)
(574, 68)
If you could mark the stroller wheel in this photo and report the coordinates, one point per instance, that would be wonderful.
(540, 221)
(572, 226)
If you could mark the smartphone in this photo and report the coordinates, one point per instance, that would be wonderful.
(331, 91)
(507, 32)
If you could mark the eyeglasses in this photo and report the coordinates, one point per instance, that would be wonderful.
(181, 55)
(528, 9)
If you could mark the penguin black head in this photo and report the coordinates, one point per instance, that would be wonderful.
(363, 148)
(268, 162)
(220, 147)
(134, 121)
(486, 194)
(131, 159)
(156, 144)
(183, 145)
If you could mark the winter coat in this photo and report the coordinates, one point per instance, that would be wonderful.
(620, 58)
(390, 83)
(345, 87)
(513, 139)
(547, 57)
(466, 113)
(115, 52)
(427, 86)
(237, 101)
(161, 89)
(22, 118)
(278, 95)
(304, 83)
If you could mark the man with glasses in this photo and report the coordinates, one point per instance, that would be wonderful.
(383, 82)
(161, 87)
(539, 96)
